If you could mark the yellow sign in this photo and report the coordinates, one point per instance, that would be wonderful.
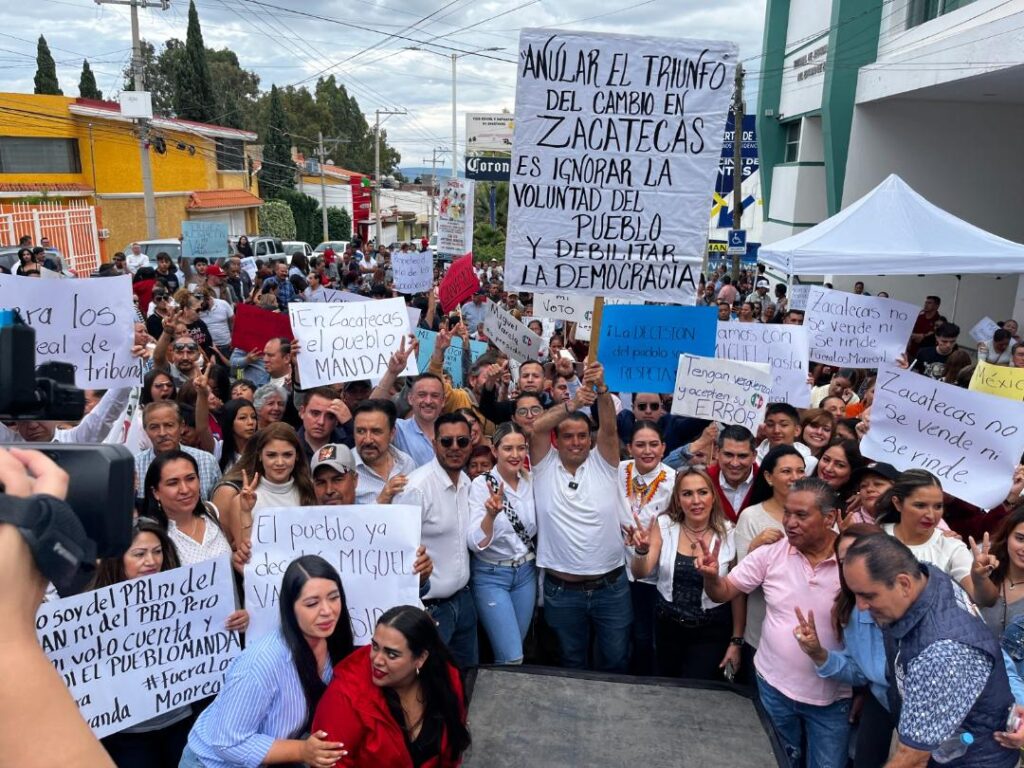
(998, 380)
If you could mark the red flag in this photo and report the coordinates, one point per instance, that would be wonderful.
(459, 283)
(254, 327)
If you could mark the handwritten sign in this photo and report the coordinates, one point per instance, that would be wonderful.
(458, 284)
(452, 355)
(558, 306)
(510, 335)
(984, 330)
(971, 441)
(413, 270)
(998, 380)
(616, 150)
(88, 323)
(640, 345)
(208, 239)
(140, 648)
(857, 331)
(797, 295)
(783, 347)
(254, 327)
(248, 265)
(455, 217)
(372, 546)
(722, 390)
(347, 342)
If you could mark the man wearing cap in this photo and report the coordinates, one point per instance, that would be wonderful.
(761, 291)
(216, 281)
(475, 312)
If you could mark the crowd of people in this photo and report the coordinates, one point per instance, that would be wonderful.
(561, 523)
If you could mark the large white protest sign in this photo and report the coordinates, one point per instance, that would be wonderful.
(984, 330)
(137, 649)
(372, 546)
(616, 150)
(413, 270)
(575, 309)
(857, 331)
(455, 218)
(88, 323)
(970, 440)
(783, 347)
(722, 390)
(509, 335)
(347, 342)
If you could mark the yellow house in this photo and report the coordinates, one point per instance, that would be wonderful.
(63, 147)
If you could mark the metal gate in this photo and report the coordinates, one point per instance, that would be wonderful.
(70, 227)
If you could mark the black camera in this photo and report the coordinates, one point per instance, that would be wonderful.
(28, 394)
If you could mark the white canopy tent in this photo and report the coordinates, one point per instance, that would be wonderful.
(892, 230)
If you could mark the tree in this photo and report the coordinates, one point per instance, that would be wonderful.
(339, 224)
(194, 96)
(275, 218)
(306, 210)
(46, 70)
(87, 83)
(278, 172)
(236, 90)
(159, 74)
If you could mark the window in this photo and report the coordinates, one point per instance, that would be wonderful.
(792, 141)
(920, 11)
(28, 155)
(230, 155)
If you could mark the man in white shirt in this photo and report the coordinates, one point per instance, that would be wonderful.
(136, 259)
(277, 359)
(219, 317)
(579, 537)
(383, 469)
(441, 490)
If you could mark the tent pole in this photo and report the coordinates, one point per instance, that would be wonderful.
(956, 296)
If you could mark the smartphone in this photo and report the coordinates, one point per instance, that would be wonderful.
(729, 672)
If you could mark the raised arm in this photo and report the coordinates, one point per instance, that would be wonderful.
(396, 365)
(540, 438)
(607, 434)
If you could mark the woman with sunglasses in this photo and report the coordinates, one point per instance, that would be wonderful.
(502, 533)
(189, 304)
(161, 310)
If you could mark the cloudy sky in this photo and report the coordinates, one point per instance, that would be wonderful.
(365, 43)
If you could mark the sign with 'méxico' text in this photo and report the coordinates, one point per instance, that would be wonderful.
(615, 155)
(783, 347)
(140, 648)
(346, 342)
(510, 335)
(998, 380)
(372, 546)
(971, 441)
(88, 323)
(640, 345)
(857, 331)
(722, 390)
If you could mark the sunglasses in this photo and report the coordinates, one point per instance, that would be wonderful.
(533, 410)
(186, 347)
(647, 406)
(448, 442)
(159, 297)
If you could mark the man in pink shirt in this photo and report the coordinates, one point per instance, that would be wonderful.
(799, 571)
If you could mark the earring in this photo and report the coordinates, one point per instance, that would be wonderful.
(417, 671)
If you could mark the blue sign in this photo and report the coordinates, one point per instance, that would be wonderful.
(640, 345)
(452, 356)
(208, 239)
(737, 242)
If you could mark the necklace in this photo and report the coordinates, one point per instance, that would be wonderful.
(637, 491)
(694, 543)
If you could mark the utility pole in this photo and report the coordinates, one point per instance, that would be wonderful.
(148, 197)
(376, 163)
(737, 164)
(323, 185)
(455, 149)
(433, 184)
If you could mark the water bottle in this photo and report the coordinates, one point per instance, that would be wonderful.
(953, 747)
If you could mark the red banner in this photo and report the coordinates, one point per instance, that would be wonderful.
(459, 283)
(254, 327)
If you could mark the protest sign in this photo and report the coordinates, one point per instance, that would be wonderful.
(208, 239)
(452, 355)
(640, 346)
(347, 342)
(576, 309)
(139, 648)
(372, 546)
(971, 441)
(722, 390)
(797, 296)
(616, 150)
(509, 334)
(413, 270)
(458, 284)
(848, 329)
(88, 323)
(984, 330)
(783, 347)
(998, 380)
(254, 327)
(248, 265)
(455, 217)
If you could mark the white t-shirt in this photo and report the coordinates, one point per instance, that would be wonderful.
(577, 527)
(948, 554)
(216, 319)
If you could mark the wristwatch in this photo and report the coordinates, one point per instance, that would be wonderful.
(602, 390)
(737, 641)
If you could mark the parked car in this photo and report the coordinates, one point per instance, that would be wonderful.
(170, 245)
(291, 247)
(9, 258)
(338, 246)
(263, 247)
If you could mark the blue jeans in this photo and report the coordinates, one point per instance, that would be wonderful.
(824, 729)
(456, 623)
(505, 596)
(189, 759)
(572, 612)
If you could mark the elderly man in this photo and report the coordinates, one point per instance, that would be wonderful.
(945, 667)
(277, 360)
(163, 425)
(800, 571)
(237, 278)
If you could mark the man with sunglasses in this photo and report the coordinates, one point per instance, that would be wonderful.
(441, 490)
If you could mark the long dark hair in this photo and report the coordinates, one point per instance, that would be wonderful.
(906, 483)
(110, 570)
(250, 460)
(339, 644)
(152, 508)
(227, 418)
(761, 491)
(439, 696)
(146, 396)
(1000, 544)
(851, 452)
(845, 600)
